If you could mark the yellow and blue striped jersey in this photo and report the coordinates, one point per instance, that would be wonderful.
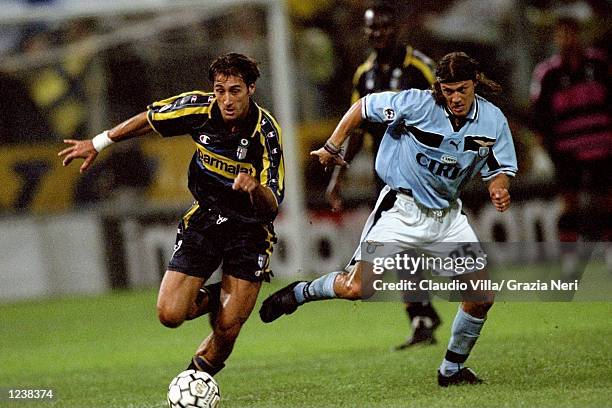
(255, 149)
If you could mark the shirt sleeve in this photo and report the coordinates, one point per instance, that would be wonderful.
(273, 167)
(179, 114)
(391, 107)
(502, 157)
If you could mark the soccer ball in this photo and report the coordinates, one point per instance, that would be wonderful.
(193, 389)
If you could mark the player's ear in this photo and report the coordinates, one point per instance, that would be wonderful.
(251, 89)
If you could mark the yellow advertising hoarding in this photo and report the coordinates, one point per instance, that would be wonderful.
(34, 180)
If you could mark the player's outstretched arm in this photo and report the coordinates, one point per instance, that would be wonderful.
(329, 154)
(89, 149)
(498, 191)
(333, 192)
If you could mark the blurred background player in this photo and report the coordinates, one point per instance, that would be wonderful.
(392, 66)
(236, 176)
(434, 143)
(571, 96)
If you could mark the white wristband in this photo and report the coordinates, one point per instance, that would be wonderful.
(101, 141)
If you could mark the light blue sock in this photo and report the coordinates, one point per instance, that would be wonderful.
(320, 288)
(464, 333)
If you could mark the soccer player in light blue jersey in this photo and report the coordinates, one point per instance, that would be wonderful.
(435, 142)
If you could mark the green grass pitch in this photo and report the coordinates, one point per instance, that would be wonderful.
(110, 351)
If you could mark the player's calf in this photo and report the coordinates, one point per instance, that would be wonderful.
(218, 346)
(207, 301)
(464, 333)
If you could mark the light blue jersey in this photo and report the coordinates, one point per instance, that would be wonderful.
(422, 152)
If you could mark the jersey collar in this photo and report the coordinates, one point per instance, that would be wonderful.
(472, 114)
(249, 126)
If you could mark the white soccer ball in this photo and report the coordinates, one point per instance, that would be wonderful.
(193, 389)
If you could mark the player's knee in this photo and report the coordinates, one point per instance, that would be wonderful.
(352, 290)
(169, 318)
(485, 306)
(478, 309)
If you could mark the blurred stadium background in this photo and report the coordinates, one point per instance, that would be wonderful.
(71, 68)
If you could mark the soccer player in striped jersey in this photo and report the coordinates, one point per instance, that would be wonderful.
(392, 66)
(571, 96)
(236, 176)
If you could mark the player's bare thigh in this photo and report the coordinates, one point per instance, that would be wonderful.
(177, 294)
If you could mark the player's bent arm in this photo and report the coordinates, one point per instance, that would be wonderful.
(330, 153)
(133, 127)
(349, 122)
(353, 145)
(264, 200)
(498, 191)
(262, 197)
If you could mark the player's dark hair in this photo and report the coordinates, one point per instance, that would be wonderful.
(457, 67)
(236, 65)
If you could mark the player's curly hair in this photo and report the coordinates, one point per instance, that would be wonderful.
(234, 64)
(457, 67)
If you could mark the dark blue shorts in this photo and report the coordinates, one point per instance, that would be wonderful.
(206, 239)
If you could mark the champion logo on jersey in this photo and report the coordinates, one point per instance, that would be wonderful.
(204, 139)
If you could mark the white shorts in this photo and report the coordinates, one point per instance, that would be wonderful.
(442, 238)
